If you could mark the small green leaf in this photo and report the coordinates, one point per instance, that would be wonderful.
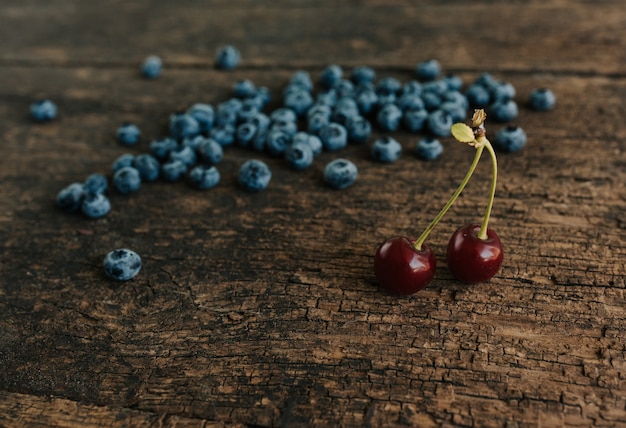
(463, 133)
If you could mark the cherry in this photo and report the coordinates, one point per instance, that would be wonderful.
(401, 268)
(471, 258)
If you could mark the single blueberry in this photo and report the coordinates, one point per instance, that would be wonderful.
(148, 167)
(431, 100)
(386, 98)
(478, 96)
(299, 101)
(359, 129)
(173, 170)
(244, 88)
(312, 140)
(185, 154)
(96, 205)
(388, 117)
(210, 151)
(127, 180)
(362, 74)
(260, 120)
(299, 155)
(331, 75)
(227, 58)
(95, 184)
(245, 133)
(439, 123)
(454, 82)
(428, 149)
(503, 110)
(386, 149)
(161, 148)
(71, 197)
(43, 110)
(122, 264)
(303, 79)
(343, 110)
(438, 87)
(340, 173)
(345, 89)
(283, 114)
(457, 112)
(248, 110)
(327, 97)
(410, 102)
(183, 125)
(414, 120)
(254, 175)
(223, 134)
(455, 97)
(333, 136)
(289, 128)
(228, 111)
(315, 122)
(151, 67)
(541, 99)
(486, 80)
(428, 70)
(510, 139)
(502, 91)
(412, 87)
(258, 143)
(366, 100)
(388, 85)
(128, 134)
(204, 177)
(277, 142)
(262, 97)
(204, 115)
(122, 161)
(192, 142)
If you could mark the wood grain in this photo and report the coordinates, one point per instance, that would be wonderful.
(261, 309)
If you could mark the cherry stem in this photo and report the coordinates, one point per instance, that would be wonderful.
(482, 234)
(479, 150)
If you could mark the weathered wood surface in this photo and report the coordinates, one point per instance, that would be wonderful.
(262, 310)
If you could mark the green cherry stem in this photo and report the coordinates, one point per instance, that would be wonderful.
(479, 150)
(482, 234)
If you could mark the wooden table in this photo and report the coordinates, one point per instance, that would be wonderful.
(262, 309)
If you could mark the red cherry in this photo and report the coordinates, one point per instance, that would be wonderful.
(471, 259)
(401, 268)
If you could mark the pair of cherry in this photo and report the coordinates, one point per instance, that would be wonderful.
(474, 253)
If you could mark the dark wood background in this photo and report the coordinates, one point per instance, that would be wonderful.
(261, 309)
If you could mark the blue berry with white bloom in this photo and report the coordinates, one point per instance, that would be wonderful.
(428, 70)
(122, 161)
(244, 88)
(148, 167)
(204, 115)
(388, 85)
(245, 134)
(542, 99)
(151, 67)
(122, 264)
(96, 205)
(478, 96)
(173, 170)
(299, 101)
(312, 140)
(223, 134)
(457, 112)
(210, 151)
(183, 125)
(366, 100)
(128, 134)
(510, 139)
(127, 180)
(161, 148)
(428, 149)
(503, 110)
(359, 129)
(227, 58)
(386, 149)
(414, 120)
(439, 123)
(302, 79)
(362, 74)
(333, 136)
(340, 173)
(185, 154)
(388, 117)
(254, 175)
(277, 142)
(454, 82)
(204, 177)
(228, 111)
(283, 114)
(299, 155)
(431, 100)
(71, 197)
(331, 76)
(502, 91)
(43, 110)
(95, 184)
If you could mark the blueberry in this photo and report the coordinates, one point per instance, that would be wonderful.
(245, 134)
(183, 125)
(454, 82)
(299, 101)
(127, 180)
(151, 67)
(258, 143)
(204, 115)
(244, 88)
(428, 149)
(128, 134)
(254, 175)
(148, 167)
(302, 79)
(478, 96)
(439, 123)
(283, 114)
(541, 99)
(344, 109)
(362, 74)
(328, 97)
(485, 80)
(388, 85)
(431, 100)
(386, 98)
(173, 170)
(277, 142)
(260, 120)
(366, 100)
(262, 97)
(289, 128)
(210, 151)
(333, 136)
(410, 102)
(386, 150)
(345, 89)
(192, 142)
(299, 155)
(227, 58)
(438, 87)
(455, 97)
(414, 120)
(457, 112)
(122, 161)
(502, 91)
(312, 140)
(71, 197)
(331, 76)
(43, 110)
(122, 264)
(95, 184)
(228, 111)
(316, 121)
(388, 117)
(247, 111)
(359, 129)
(184, 154)
(510, 139)
(340, 173)
(161, 149)
(223, 134)
(96, 205)
(428, 70)
(412, 87)
(503, 111)
(204, 177)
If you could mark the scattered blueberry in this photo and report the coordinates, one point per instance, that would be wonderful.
(147, 166)
(340, 173)
(331, 76)
(228, 111)
(244, 88)
(359, 129)
(299, 155)
(312, 140)
(541, 99)
(122, 161)
(428, 70)
(43, 111)
(302, 79)
(173, 170)
(439, 123)
(70, 198)
(183, 125)
(161, 148)
(227, 58)
(503, 110)
(245, 134)
(428, 148)
(204, 115)
(223, 134)
(151, 67)
(204, 177)
(388, 117)
(333, 136)
(454, 82)
(95, 184)
(414, 120)
(127, 180)
(277, 142)
(185, 154)
(431, 100)
(510, 139)
(122, 264)
(388, 85)
(366, 100)
(478, 96)
(457, 112)
(502, 91)
(299, 101)
(96, 205)
(210, 151)
(254, 175)
(128, 134)
(386, 149)
(362, 74)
